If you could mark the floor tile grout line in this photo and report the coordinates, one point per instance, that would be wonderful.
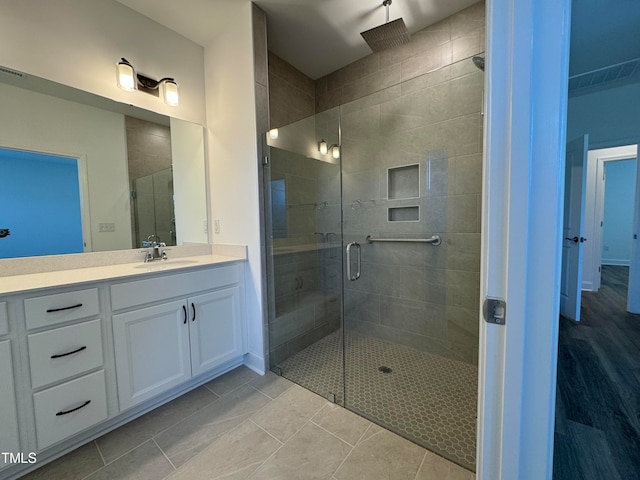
(365, 432)
(116, 459)
(331, 433)
(424, 457)
(265, 431)
(284, 443)
(164, 454)
(95, 442)
(151, 437)
(343, 461)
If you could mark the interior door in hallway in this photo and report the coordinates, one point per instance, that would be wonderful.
(573, 227)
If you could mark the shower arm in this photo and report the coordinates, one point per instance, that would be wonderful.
(386, 3)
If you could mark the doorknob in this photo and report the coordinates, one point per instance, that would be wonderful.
(576, 239)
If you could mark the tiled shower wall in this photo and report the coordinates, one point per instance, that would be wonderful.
(457, 37)
(149, 159)
(418, 295)
(428, 129)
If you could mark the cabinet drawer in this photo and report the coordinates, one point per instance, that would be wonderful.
(151, 290)
(63, 352)
(52, 309)
(69, 408)
(4, 319)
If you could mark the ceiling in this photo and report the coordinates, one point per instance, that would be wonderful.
(320, 36)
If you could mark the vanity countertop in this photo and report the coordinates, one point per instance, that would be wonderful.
(61, 278)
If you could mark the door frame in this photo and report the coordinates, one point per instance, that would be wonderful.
(523, 193)
(595, 208)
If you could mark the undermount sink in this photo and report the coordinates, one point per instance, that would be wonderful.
(160, 264)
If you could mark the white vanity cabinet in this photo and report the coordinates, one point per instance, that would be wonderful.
(160, 346)
(216, 332)
(81, 359)
(66, 363)
(9, 438)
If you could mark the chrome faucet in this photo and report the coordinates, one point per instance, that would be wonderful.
(156, 245)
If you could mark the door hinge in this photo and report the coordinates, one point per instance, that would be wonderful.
(265, 160)
(494, 310)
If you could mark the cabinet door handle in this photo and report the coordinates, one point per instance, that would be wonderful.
(51, 310)
(66, 412)
(184, 310)
(60, 355)
(194, 312)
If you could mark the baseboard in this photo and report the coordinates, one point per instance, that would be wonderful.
(255, 363)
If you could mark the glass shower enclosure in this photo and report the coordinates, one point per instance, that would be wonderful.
(373, 240)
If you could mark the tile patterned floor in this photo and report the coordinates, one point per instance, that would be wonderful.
(426, 398)
(244, 426)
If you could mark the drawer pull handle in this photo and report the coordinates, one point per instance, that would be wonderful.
(66, 412)
(184, 310)
(194, 312)
(51, 310)
(60, 355)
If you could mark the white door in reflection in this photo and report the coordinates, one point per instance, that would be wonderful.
(40, 204)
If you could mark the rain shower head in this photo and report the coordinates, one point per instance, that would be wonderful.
(391, 34)
(478, 62)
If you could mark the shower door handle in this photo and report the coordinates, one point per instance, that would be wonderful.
(355, 277)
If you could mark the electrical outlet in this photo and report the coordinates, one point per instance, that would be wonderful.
(106, 227)
(216, 226)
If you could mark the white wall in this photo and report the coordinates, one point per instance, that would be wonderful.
(79, 42)
(610, 117)
(620, 192)
(190, 194)
(232, 153)
(36, 122)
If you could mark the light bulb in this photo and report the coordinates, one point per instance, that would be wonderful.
(322, 147)
(126, 77)
(335, 152)
(170, 89)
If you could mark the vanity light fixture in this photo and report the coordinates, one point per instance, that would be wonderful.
(129, 80)
(322, 147)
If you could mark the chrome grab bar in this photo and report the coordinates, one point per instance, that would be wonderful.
(355, 277)
(433, 240)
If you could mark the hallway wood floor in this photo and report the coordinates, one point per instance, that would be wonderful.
(597, 433)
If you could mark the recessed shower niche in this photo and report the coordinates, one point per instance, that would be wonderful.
(403, 183)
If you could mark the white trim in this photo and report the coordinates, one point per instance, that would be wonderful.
(85, 210)
(594, 209)
(633, 295)
(527, 71)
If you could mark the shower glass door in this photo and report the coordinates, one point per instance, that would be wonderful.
(302, 189)
(376, 256)
(411, 176)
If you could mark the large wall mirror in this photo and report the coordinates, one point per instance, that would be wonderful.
(82, 173)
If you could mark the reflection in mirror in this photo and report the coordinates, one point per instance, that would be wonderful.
(119, 150)
(151, 179)
(42, 220)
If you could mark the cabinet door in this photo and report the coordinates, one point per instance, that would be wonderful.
(151, 350)
(9, 441)
(216, 332)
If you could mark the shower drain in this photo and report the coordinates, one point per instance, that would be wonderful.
(384, 369)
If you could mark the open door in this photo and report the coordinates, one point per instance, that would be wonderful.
(573, 227)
